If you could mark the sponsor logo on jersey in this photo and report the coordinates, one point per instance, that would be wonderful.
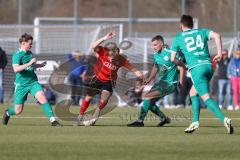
(110, 65)
(166, 58)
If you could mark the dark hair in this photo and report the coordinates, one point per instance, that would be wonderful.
(139, 80)
(187, 21)
(158, 37)
(25, 37)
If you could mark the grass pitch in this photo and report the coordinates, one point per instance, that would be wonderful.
(30, 136)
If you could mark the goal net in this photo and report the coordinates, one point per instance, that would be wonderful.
(51, 43)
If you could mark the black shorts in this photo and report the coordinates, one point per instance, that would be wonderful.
(101, 85)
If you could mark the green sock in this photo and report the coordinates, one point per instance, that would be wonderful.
(11, 111)
(195, 108)
(155, 109)
(213, 106)
(47, 109)
(144, 110)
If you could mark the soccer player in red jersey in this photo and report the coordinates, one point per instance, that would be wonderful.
(109, 60)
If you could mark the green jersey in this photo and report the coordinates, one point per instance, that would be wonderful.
(194, 46)
(27, 76)
(167, 70)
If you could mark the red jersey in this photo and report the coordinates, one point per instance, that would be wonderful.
(105, 68)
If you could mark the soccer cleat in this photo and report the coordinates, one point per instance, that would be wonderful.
(228, 125)
(79, 119)
(5, 118)
(93, 121)
(94, 118)
(136, 124)
(193, 127)
(164, 121)
(56, 123)
(90, 122)
(87, 123)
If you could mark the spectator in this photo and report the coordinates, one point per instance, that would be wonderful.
(78, 71)
(233, 72)
(51, 98)
(224, 84)
(134, 95)
(3, 63)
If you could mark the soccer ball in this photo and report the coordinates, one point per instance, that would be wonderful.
(87, 123)
(90, 122)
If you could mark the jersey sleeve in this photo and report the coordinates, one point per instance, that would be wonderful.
(175, 45)
(126, 63)
(16, 59)
(206, 33)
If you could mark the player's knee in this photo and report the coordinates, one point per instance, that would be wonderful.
(205, 97)
(18, 111)
(193, 92)
(191, 95)
(42, 99)
(88, 98)
(103, 102)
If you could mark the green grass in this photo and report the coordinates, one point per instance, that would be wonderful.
(33, 138)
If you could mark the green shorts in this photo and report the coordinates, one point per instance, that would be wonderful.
(165, 88)
(21, 92)
(201, 76)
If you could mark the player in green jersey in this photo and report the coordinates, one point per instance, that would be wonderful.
(193, 44)
(167, 82)
(26, 81)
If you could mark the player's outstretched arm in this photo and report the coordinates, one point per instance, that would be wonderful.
(218, 41)
(110, 35)
(39, 65)
(19, 68)
(152, 74)
(135, 71)
(131, 68)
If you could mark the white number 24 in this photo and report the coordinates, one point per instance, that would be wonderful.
(191, 46)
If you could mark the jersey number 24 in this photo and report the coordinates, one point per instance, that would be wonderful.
(193, 44)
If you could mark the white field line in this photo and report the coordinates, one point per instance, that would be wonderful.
(59, 117)
(115, 118)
